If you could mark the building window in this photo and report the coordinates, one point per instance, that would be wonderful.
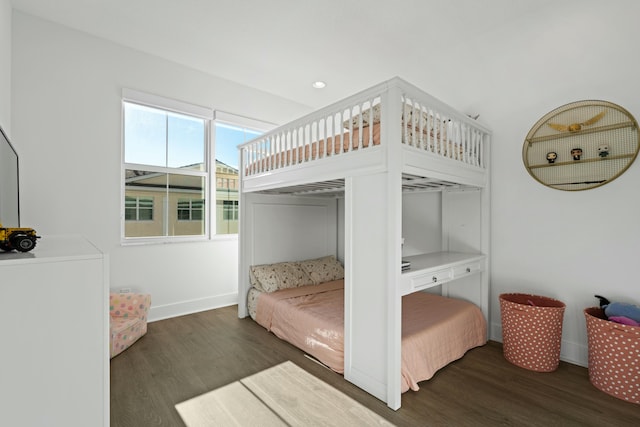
(190, 210)
(138, 208)
(229, 210)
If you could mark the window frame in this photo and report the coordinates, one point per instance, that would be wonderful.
(230, 208)
(211, 117)
(137, 208)
(177, 107)
(190, 209)
(241, 122)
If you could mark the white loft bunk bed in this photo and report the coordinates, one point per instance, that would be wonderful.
(386, 175)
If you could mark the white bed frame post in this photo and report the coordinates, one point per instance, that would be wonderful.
(466, 228)
(372, 269)
(394, 238)
(485, 226)
(244, 261)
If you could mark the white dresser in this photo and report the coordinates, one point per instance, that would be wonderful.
(54, 348)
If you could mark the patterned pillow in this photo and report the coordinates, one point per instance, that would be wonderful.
(283, 275)
(366, 118)
(252, 302)
(407, 117)
(323, 269)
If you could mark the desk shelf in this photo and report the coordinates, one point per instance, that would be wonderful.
(437, 268)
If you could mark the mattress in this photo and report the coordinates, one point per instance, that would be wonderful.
(435, 330)
(318, 149)
(348, 142)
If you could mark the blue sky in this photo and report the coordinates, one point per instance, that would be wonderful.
(227, 140)
(157, 138)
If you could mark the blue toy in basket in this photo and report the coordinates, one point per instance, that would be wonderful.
(620, 312)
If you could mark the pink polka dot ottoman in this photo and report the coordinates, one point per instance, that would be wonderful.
(614, 356)
(531, 331)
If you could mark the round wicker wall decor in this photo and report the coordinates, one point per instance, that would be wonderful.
(581, 145)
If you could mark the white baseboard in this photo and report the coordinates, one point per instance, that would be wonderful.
(571, 352)
(192, 306)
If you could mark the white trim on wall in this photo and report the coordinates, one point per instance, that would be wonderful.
(161, 102)
(242, 121)
(166, 311)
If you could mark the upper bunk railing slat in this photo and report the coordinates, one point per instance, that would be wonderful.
(341, 146)
(354, 126)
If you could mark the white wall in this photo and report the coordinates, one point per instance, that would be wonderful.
(565, 245)
(66, 125)
(5, 66)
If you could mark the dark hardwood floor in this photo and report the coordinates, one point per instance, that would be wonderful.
(183, 357)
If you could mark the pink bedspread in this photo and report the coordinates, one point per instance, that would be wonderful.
(435, 330)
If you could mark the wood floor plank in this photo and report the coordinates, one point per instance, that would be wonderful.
(303, 400)
(231, 405)
(187, 356)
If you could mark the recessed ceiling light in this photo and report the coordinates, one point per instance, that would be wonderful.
(319, 84)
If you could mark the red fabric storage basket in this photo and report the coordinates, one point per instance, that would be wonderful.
(614, 356)
(531, 331)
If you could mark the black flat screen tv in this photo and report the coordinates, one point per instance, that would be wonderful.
(9, 190)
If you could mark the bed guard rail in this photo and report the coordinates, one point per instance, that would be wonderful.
(353, 125)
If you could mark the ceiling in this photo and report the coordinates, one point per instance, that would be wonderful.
(282, 46)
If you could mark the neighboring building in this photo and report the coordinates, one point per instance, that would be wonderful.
(227, 185)
(158, 204)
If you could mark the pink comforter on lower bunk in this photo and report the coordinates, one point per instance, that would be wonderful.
(435, 330)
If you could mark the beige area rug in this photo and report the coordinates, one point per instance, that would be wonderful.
(284, 395)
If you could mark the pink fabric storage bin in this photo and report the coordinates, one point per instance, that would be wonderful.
(614, 356)
(531, 331)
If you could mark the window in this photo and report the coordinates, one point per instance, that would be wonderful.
(138, 208)
(165, 168)
(230, 210)
(190, 210)
(229, 133)
(168, 165)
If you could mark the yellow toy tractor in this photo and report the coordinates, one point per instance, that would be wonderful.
(21, 239)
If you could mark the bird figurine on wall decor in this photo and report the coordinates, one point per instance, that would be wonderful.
(577, 127)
